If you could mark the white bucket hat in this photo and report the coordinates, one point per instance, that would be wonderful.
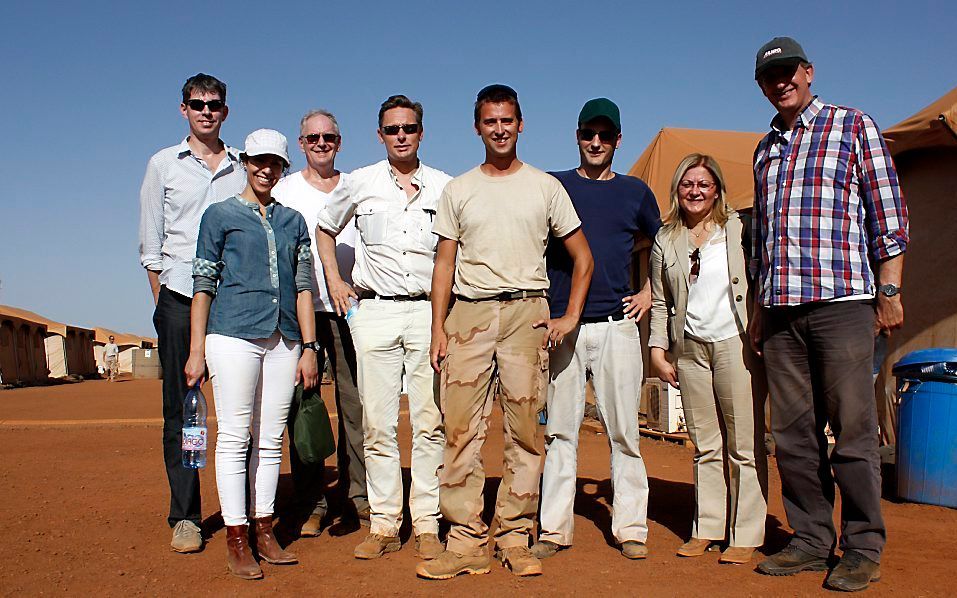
(267, 141)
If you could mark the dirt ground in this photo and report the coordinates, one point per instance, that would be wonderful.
(84, 498)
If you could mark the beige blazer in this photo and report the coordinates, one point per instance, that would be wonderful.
(670, 279)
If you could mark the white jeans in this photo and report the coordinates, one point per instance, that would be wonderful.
(391, 337)
(611, 352)
(253, 381)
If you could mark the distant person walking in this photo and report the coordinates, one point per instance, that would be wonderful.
(180, 183)
(253, 326)
(111, 358)
(493, 223)
(830, 234)
(616, 211)
(308, 192)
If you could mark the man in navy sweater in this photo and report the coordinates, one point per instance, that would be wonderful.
(614, 210)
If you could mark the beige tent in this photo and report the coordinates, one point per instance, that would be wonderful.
(924, 147)
(733, 150)
(22, 354)
(128, 344)
(69, 349)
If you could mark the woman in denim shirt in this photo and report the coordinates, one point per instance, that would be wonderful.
(251, 312)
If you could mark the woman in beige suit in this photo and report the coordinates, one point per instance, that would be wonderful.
(699, 317)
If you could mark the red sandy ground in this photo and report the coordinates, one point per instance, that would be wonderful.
(84, 502)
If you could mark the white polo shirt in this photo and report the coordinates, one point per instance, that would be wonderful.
(395, 247)
(295, 192)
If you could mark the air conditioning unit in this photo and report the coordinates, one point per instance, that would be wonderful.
(665, 412)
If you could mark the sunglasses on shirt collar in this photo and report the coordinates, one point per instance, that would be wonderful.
(314, 138)
(198, 105)
(391, 130)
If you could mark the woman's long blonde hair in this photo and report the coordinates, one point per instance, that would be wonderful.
(719, 212)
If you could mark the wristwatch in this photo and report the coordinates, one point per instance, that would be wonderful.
(313, 345)
(888, 290)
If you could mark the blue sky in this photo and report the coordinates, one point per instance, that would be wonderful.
(93, 91)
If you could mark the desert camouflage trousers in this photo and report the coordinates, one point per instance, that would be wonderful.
(493, 351)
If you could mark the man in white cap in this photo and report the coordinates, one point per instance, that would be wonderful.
(393, 203)
(180, 183)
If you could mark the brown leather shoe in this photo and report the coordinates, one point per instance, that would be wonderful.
(736, 555)
(239, 556)
(267, 546)
(694, 547)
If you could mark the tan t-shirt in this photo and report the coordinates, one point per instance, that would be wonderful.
(502, 226)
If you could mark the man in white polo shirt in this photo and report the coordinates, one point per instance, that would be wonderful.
(393, 203)
(308, 191)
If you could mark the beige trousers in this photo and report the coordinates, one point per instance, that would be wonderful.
(718, 407)
(493, 350)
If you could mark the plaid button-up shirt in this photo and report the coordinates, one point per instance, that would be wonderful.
(827, 207)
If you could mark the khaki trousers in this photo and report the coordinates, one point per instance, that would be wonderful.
(718, 407)
(493, 350)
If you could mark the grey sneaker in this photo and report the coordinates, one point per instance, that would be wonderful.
(186, 537)
(634, 549)
(545, 548)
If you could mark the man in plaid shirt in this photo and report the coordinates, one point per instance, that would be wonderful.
(830, 233)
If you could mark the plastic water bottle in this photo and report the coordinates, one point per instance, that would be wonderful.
(353, 308)
(194, 429)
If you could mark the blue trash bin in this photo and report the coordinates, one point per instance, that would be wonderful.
(927, 426)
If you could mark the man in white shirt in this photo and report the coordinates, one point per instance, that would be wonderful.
(180, 183)
(111, 357)
(308, 191)
(393, 203)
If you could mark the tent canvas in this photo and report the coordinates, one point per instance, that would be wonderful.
(924, 148)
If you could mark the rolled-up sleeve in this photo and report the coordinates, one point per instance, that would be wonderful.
(208, 263)
(881, 192)
(152, 197)
(339, 209)
(304, 259)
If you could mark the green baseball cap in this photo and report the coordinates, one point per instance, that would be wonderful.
(780, 50)
(600, 107)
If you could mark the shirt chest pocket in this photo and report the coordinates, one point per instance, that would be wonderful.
(373, 224)
(427, 238)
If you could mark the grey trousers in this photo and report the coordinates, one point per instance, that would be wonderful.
(819, 360)
(333, 335)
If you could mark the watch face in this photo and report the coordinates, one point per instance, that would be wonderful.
(888, 290)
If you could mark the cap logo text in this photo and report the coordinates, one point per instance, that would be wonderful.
(772, 52)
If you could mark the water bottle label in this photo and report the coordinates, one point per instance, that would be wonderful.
(194, 439)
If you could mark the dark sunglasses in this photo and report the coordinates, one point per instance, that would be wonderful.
(695, 265)
(313, 138)
(407, 129)
(198, 105)
(604, 136)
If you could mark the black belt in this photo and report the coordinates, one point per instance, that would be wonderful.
(372, 295)
(507, 296)
(594, 320)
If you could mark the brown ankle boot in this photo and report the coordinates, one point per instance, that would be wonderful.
(239, 556)
(268, 547)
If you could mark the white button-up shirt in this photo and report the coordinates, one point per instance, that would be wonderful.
(177, 189)
(395, 249)
(295, 192)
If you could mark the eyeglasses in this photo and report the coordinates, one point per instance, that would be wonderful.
(314, 138)
(704, 186)
(605, 136)
(198, 105)
(407, 129)
(695, 265)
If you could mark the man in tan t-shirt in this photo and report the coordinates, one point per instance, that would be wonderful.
(496, 219)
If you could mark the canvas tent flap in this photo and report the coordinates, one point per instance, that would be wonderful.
(733, 150)
(934, 126)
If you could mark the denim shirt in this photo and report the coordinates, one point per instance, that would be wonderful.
(254, 267)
